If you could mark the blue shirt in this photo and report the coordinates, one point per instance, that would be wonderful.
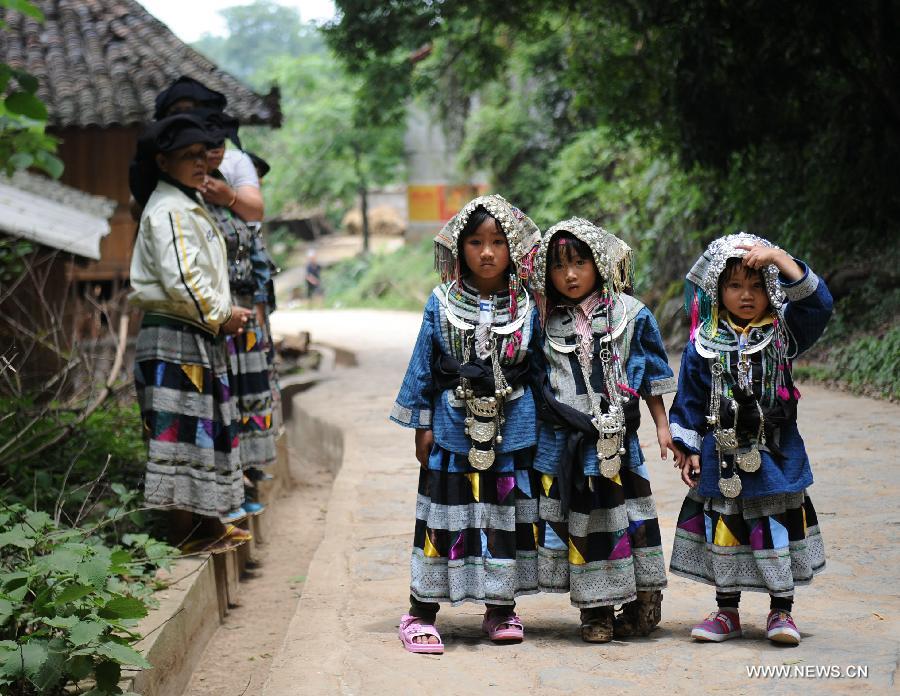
(647, 372)
(419, 405)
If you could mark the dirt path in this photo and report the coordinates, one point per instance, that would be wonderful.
(237, 659)
(342, 638)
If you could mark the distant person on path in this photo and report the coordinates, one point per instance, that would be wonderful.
(466, 394)
(179, 278)
(249, 368)
(313, 275)
(747, 522)
(598, 534)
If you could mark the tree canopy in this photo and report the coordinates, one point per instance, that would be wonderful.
(781, 118)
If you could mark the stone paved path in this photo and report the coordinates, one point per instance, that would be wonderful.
(343, 637)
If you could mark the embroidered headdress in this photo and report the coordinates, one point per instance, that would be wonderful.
(522, 236)
(613, 257)
(701, 287)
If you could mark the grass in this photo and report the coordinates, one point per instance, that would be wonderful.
(400, 279)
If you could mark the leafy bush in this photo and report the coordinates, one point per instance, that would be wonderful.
(69, 604)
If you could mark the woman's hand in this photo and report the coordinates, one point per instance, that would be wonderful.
(759, 256)
(235, 324)
(424, 442)
(217, 192)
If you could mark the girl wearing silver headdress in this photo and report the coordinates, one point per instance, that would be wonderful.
(598, 536)
(465, 392)
(747, 522)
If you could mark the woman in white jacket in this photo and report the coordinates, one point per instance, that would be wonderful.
(179, 276)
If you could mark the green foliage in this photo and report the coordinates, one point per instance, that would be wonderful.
(328, 147)
(110, 438)
(400, 279)
(23, 116)
(69, 604)
(258, 34)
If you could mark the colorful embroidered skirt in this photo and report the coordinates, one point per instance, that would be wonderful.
(249, 377)
(766, 544)
(188, 416)
(608, 547)
(475, 537)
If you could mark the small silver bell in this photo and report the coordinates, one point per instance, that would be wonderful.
(509, 390)
(621, 450)
(460, 393)
(469, 393)
(497, 393)
(499, 439)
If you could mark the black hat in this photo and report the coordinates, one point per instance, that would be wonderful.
(171, 133)
(188, 88)
(220, 125)
(262, 167)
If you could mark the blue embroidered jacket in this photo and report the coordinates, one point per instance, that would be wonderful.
(646, 369)
(806, 312)
(418, 405)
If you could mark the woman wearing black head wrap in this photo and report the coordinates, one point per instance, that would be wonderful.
(179, 278)
(248, 277)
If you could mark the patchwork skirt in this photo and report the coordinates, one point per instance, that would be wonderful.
(249, 377)
(608, 547)
(188, 416)
(476, 531)
(766, 544)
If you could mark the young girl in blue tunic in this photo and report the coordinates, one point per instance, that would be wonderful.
(598, 535)
(747, 522)
(466, 395)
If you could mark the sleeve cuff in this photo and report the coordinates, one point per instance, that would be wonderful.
(658, 387)
(803, 288)
(409, 418)
(691, 438)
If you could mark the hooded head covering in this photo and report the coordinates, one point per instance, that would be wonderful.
(613, 257)
(188, 88)
(171, 133)
(701, 286)
(262, 167)
(522, 236)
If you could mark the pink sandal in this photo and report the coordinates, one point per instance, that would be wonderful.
(412, 627)
(503, 627)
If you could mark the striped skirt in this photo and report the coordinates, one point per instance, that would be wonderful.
(188, 415)
(767, 544)
(608, 547)
(252, 392)
(475, 537)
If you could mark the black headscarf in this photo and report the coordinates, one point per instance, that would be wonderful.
(188, 88)
(171, 133)
(220, 125)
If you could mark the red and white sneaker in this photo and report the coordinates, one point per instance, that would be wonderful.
(722, 624)
(780, 628)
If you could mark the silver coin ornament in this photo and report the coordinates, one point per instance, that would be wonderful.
(730, 487)
(482, 431)
(726, 438)
(610, 468)
(749, 461)
(607, 447)
(481, 459)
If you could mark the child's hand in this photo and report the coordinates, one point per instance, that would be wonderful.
(664, 438)
(690, 469)
(424, 442)
(759, 256)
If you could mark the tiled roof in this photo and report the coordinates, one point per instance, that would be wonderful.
(53, 214)
(102, 63)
